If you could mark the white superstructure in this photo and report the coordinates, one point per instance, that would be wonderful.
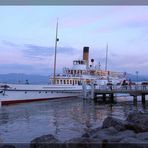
(81, 72)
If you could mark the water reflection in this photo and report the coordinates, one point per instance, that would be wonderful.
(65, 119)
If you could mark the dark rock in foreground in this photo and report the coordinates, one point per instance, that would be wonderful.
(114, 122)
(137, 122)
(45, 141)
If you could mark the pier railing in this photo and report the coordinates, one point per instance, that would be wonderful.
(92, 90)
(122, 87)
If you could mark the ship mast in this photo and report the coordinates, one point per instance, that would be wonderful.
(106, 57)
(55, 55)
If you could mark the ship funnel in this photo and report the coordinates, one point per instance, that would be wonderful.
(86, 55)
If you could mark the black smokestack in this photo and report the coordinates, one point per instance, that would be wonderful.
(86, 54)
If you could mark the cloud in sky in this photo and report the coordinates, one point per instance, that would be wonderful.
(28, 38)
(34, 50)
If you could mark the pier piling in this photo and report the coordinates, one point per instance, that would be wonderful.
(112, 98)
(104, 97)
(84, 91)
(143, 98)
(92, 91)
(135, 99)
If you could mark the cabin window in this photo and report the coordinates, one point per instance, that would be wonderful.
(64, 81)
(67, 81)
(79, 83)
(70, 81)
(76, 82)
(61, 81)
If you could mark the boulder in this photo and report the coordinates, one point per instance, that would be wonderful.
(114, 122)
(45, 141)
(105, 133)
(137, 122)
(91, 132)
(121, 135)
(142, 136)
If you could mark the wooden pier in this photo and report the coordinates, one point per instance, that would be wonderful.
(96, 92)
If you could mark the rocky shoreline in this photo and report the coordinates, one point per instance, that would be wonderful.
(132, 132)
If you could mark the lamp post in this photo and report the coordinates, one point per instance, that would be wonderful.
(137, 76)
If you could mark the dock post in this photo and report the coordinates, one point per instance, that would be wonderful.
(95, 97)
(84, 91)
(112, 98)
(104, 97)
(143, 98)
(92, 90)
(135, 99)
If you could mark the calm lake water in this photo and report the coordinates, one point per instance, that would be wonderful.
(64, 118)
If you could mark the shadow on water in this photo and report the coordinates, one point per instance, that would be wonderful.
(64, 118)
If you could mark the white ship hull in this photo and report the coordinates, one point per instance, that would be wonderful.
(26, 93)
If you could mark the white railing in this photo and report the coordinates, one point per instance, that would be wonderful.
(137, 87)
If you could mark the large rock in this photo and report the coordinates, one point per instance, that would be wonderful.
(114, 122)
(137, 122)
(105, 133)
(121, 135)
(91, 132)
(142, 136)
(45, 141)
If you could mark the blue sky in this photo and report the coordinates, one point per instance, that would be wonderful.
(27, 37)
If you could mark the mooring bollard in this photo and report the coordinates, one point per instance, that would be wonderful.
(135, 100)
(84, 91)
(92, 90)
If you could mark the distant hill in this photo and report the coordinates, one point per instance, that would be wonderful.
(21, 78)
(40, 79)
(140, 77)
